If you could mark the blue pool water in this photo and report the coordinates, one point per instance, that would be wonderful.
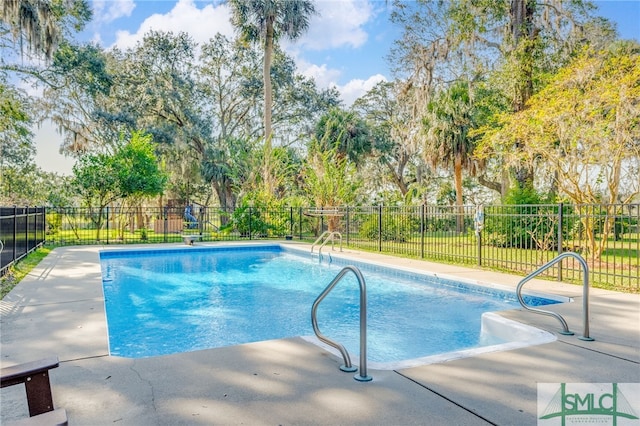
(167, 301)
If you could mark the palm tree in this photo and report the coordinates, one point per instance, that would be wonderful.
(266, 21)
(345, 132)
(447, 123)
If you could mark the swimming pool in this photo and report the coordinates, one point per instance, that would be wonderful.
(171, 300)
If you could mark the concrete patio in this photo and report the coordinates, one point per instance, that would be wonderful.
(58, 310)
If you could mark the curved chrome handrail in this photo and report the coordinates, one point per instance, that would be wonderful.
(330, 236)
(585, 294)
(362, 377)
(318, 240)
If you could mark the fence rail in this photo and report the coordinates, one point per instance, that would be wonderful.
(22, 230)
(516, 239)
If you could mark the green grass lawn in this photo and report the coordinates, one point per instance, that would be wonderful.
(617, 268)
(20, 269)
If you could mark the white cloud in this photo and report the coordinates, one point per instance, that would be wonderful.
(106, 11)
(323, 76)
(357, 87)
(201, 24)
(338, 23)
(326, 77)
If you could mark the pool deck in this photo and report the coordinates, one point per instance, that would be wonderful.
(58, 310)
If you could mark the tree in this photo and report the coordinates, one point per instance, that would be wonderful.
(298, 103)
(38, 26)
(228, 79)
(448, 143)
(525, 40)
(137, 168)
(515, 42)
(231, 83)
(77, 96)
(396, 142)
(584, 128)
(27, 185)
(156, 89)
(132, 171)
(16, 146)
(95, 181)
(266, 21)
(159, 91)
(346, 133)
(229, 164)
(42, 23)
(330, 180)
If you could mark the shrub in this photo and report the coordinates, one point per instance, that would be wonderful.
(54, 222)
(393, 228)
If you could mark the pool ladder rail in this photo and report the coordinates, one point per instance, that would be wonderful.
(347, 367)
(585, 294)
(325, 238)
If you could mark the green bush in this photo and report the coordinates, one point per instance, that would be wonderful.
(526, 223)
(393, 228)
(247, 221)
(54, 222)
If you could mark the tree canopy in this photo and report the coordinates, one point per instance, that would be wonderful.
(491, 94)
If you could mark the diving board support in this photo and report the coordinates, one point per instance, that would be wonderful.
(347, 367)
(585, 294)
(189, 239)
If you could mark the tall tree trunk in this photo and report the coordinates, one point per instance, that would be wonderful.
(226, 198)
(457, 181)
(523, 34)
(268, 105)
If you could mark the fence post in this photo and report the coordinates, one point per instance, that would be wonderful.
(165, 214)
(15, 232)
(560, 242)
(423, 224)
(250, 217)
(291, 221)
(347, 225)
(26, 230)
(380, 227)
(300, 222)
(107, 230)
(479, 225)
(25, 214)
(43, 237)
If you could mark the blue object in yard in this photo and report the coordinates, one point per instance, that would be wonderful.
(189, 217)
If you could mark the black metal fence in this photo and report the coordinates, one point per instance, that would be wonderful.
(510, 238)
(22, 229)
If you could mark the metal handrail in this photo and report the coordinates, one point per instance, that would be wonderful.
(362, 377)
(585, 294)
(318, 240)
(330, 236)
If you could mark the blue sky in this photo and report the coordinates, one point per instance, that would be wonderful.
(346, 44)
